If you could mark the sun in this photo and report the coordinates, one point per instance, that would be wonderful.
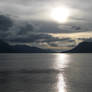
(60, 15)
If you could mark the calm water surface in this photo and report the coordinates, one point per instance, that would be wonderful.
(45, 72)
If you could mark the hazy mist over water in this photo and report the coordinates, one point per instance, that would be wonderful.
(45, 72)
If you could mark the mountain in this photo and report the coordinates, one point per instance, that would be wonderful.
(84, 47)
(6, 48)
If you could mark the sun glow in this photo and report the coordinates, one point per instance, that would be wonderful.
(60, 15)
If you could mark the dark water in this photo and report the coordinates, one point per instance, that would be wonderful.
(45, 72)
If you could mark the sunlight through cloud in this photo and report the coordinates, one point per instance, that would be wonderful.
(60, 14)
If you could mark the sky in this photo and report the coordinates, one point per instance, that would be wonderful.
(29, 22)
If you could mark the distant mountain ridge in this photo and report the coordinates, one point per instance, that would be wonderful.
(84, 47)
(6, 48)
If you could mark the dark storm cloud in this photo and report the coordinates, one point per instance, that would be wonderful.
(5, 23)
(9, 29)
(23, 29)
(33, 37)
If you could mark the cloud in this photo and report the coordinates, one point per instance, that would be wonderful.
(5, 23)
(10, 29)
(44, 34)
(43, 40)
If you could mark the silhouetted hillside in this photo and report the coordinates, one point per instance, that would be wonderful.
(6, 48)
(84, 47)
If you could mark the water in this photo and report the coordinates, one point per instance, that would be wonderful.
(45, 72)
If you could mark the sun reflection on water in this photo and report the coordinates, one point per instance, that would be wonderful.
(61, 61)
(61, 86)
